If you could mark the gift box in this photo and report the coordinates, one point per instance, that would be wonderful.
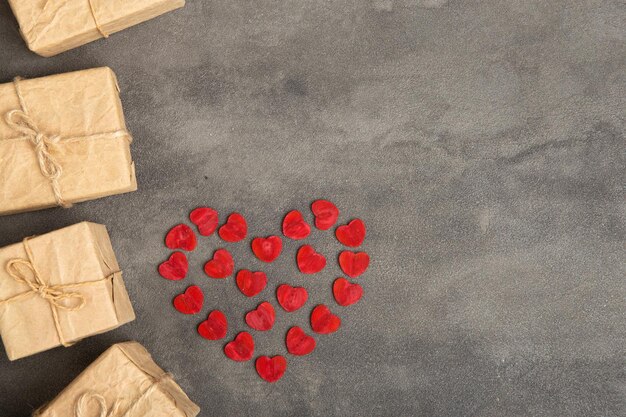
(63, 140)
(58, 288)
(123, 382)
(54, 26)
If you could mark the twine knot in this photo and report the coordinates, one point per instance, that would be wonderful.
(80, 408)
(58, 296)
(54, 294)
(50, 168)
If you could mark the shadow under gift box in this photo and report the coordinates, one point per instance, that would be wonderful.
(79, 116)
(50, 27)
(123, 381)
(76, 260)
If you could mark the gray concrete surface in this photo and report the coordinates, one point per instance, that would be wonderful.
(481, 141)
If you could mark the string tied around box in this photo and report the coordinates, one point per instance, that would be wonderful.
(46, 145)
(82, 403)
(58, 296)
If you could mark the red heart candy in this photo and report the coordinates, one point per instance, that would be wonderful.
(267, 249)
(346, 293)
(189, 302)
(323, 321)
(221, 265)
(326, 214)
(262, 318)
(351, 234)
(251, 283)
(241, 348)
(291, 298)
(205, 218)
(271, 369)
(175, 268)
(235, 228)
(214, 327)
(181, 237)
(309, 261)
(353, 264)
(294, 226)
(299, 343)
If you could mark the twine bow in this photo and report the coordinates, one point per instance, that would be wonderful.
(44, 144)
(56, 295)
(50, 168)
(80, 408)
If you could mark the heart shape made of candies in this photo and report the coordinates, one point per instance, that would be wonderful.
(267, 249)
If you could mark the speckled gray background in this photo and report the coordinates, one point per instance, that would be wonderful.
(481, 141)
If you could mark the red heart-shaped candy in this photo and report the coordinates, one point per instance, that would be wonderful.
(294, 226)
(175, 268)
(351, 234)
(251, 283)
(309, 261)
(291, 298)
(353, 264)
(299, 343)
(267, 249)
(189, 302)
(262, 318)
(346, 293)
(241, 348)
(214, 327)
(271, 369)
(181, 237)
(323, 321)
(221, 265)
(326, 214)
(206, 219)
(235, 228)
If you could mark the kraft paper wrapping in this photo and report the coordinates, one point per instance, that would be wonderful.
(122, 376)
(83, 109)
(76, 254)
(50, 27)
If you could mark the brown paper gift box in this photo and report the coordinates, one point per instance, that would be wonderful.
(75, 265)
(50, 27)
(78, 119)
(123, 381)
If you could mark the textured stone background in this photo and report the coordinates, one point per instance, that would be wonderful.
(481, 141)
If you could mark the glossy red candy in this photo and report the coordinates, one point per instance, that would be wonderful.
(221, 266)
(235, 228)
(323, 321)
(326, 214)
(291, 298)
(251, 283)
(346, 293)
(267, 249)
(351, 234)
(191, 301)
(181, 237)
(309, 261)
(214, 327)
(262, 318)
(175, 268)
(271, 369)
(353, 264)
(206, 219)
(299, 343)
(241, 348)
(294, 226)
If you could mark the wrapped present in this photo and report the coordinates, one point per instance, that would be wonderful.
(54, 26)
(58, 288)
(62, 140)
(123, 382)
